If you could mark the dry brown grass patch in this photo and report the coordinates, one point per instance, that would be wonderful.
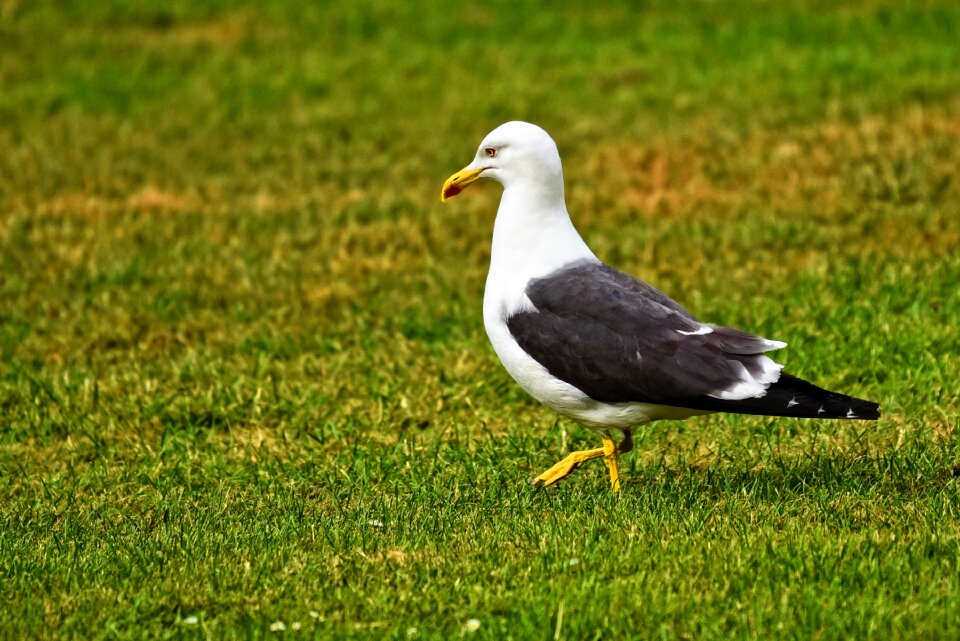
(823, 167)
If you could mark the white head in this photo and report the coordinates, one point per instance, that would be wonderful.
(517, 155)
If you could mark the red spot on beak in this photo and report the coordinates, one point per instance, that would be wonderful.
(452, 191)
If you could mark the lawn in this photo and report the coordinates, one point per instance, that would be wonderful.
(245, 391)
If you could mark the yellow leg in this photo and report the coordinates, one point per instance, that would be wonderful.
(610, 454)
(573, 461)
(567, 465)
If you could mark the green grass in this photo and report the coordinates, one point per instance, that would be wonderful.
(243, 374)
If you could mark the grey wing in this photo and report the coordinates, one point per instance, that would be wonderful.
(618, 339)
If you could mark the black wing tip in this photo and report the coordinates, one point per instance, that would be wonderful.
(864, 410)
(794, 398)
(859, 410)
(829, 404)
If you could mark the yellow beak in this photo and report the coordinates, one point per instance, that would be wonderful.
(458, 182)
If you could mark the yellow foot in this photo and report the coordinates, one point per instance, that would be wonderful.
(566, 466)
(573, 461)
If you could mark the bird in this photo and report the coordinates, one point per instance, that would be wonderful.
(597, 345)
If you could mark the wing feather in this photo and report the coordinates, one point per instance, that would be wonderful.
(618, 339)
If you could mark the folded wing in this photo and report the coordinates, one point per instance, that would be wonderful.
(618, 340)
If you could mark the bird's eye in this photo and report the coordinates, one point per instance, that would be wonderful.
(490, 151)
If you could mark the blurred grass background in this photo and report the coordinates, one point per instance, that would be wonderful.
(244, 375)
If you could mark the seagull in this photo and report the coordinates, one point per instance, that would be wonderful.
(597, 345)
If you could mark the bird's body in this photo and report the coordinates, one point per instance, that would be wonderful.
(597, 345)
(519, 257)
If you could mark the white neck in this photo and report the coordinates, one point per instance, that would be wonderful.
(532, 237)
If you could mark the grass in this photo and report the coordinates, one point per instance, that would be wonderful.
(244, 375)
